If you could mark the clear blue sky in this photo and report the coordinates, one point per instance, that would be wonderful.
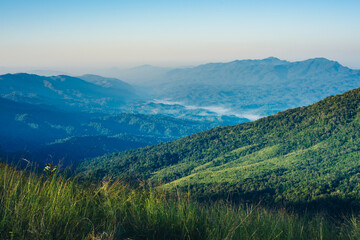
(106, 33)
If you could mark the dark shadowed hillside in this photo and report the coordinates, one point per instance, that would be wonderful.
(53, 134)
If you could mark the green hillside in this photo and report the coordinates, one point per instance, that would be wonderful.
(302, 155)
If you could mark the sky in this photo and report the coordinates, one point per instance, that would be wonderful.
(114, 33)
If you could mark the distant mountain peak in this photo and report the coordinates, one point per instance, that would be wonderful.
(271, 59)
(324, 63)
(320, 60)
(89, 77)
(21, 74)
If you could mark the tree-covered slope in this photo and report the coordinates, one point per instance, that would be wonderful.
(302, 154)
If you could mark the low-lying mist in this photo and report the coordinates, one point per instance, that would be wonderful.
(218, 110)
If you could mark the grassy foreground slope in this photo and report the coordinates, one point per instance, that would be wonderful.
(297, 156)
(33, 207)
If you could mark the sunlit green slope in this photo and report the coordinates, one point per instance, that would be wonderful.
(299, 155)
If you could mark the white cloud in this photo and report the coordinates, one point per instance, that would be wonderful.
(218, 110)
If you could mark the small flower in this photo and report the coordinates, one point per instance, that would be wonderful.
(50, 169)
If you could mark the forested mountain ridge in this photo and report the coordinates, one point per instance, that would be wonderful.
(262, 71)
(262, 86)
(107, 82)
(302, 154)
(63, 92)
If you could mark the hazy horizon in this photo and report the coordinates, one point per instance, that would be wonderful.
(75, 36)
(73, 71)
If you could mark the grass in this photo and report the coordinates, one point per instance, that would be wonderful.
(34, 207)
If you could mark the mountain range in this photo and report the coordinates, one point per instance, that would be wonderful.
(255, 87)
(71, 112)
(226, 93)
